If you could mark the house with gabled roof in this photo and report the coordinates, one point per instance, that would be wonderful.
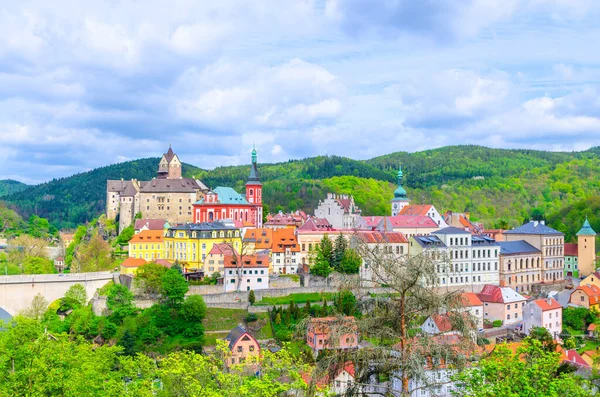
(424, 210)
(332, 333)
(340, 210)
(587, 296)
(241, 345)
(502, 303)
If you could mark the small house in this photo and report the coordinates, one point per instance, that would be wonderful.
(241, 345)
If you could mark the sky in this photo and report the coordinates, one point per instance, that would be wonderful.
(85, 84)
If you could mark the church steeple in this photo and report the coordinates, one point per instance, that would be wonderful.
(254, 191)
(254, 177)
(400, 199)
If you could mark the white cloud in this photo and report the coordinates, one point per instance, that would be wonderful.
(290, 94)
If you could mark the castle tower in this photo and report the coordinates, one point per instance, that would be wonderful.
(586, 249)
(254, 191)
(169, 166)
(400, 200)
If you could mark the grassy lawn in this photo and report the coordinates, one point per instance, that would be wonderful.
(296, 298)
(265, 332)
(589, 345)
(223, 319)
(574, 331)
(211, 339)
(294, 277)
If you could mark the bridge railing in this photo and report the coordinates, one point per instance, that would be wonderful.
(54, 278)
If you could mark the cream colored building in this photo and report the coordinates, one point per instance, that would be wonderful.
(520, 265)
(586, 249)
(551, 244)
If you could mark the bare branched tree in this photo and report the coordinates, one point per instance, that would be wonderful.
(398, 357)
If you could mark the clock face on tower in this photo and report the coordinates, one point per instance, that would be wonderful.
(396, 206)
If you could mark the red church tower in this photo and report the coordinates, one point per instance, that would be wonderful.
(254, 192)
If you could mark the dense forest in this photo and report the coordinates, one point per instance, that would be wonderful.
(8, 186)
(497, 186)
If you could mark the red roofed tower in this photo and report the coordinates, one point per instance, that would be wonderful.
(254, 192)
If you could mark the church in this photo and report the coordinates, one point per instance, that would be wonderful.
(225, 203)
(167, 196)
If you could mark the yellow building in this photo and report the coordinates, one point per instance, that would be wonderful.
(592, 279)
(190, 243)
(147, 245)
(131, 265)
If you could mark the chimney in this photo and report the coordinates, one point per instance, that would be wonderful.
(535, 223)
(543, 222)
(549, 300)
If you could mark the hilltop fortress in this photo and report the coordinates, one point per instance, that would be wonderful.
(167, 196)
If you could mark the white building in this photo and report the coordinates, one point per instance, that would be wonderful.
(437, 324)
(545, 313)
(339, 210)
(251, 274)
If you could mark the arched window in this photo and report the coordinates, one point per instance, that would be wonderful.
(251, 192)
(210, 216)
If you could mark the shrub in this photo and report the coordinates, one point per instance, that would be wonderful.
(251, 317)
(497, 323)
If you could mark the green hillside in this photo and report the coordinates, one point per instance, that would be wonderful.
(8, 186)
(498, 186)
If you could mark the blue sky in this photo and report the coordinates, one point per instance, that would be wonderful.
(85, 84)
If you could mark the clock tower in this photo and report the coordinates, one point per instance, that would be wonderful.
(400, 200)
(254, 192)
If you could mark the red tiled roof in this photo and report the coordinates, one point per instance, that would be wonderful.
(570, 249)
(575, 358)
(374, 237)
(400, 221)
(222, 249)
(495, 294)
(133, 262)
(316, 224)
(545, 305)
(442, 321)
(256, 260)
(471, 299)
(415, 210)
(371, 221)
(150, 224)
(163, 262)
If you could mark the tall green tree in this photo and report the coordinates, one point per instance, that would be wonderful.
(351, 262)
(321, 266)
(149, 278)
(119, 301)
(38, 265)
(76, 296)
(174, 287)
(339, 249)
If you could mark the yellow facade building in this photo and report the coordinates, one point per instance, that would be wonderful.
(147, 245)
(190, 243)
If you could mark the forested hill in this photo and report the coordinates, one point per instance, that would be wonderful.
(8, 186)
(498, 186)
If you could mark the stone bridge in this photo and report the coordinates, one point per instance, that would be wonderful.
(17, 292)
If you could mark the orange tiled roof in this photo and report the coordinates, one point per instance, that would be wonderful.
(285, 238)
(256, 260)
(262, 237)
(133, 262)
(416, 210)
(471, 299)
(545, 305)
(442, 321)
(375, 237)
(148, 236)
(592, 292)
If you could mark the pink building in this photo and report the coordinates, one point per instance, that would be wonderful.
(242, 345)
(501, 303)
(332, 333)
(546, 313)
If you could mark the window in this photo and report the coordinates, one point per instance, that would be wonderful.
(240, 349)
(508, 316)
(251, 348)
(259, 280)
(232, 281)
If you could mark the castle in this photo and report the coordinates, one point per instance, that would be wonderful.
(167, 196)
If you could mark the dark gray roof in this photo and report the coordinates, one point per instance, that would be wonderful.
(517, 247)
(116, 185)
(451, 230)
(254, 177)
(429, 241)
(534, 228)
(130, 190)
(483, 240)
(183, 185)
(217, 225)
(234, 335)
